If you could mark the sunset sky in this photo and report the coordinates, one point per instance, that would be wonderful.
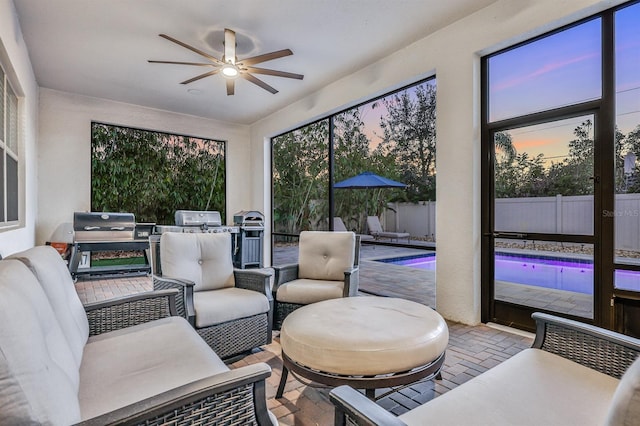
(558, 70)
(564, 69)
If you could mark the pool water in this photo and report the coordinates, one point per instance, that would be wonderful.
(573, 275)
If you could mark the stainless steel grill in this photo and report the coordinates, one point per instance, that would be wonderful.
(191, 221)
(196, 222)
(101, 227)
(105, 231)
(197, 218)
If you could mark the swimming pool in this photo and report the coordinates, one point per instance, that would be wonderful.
(575, 275)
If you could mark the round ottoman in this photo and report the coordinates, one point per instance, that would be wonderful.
(365, 342)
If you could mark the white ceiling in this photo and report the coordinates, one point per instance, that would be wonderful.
(100, 48)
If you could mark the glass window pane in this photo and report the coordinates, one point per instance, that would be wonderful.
(12, 189)
(546, 275)
(301, 179)
(2, 185)
(393, 137)
(2, 108)
(627, 199)
(543, 178)
(558, 70)
(153, 174)
(627, 280)
(12, 121)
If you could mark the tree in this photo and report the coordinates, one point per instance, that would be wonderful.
(300, 178)
(410, 136)
(517, 175)
(153, 174)
(301, 163)
(520, 176)
(504, 145)
(353, 155)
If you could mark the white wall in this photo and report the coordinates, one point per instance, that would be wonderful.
(65, 151)
(453, 54)
(15, 58)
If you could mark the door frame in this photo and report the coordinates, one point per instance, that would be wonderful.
(520, 315)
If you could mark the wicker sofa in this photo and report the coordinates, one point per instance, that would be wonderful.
(574, 374)
(124, 361)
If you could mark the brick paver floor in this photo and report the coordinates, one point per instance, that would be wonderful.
(472, 349)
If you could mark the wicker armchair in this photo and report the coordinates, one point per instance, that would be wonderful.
(574, 373)
(231, 309)
(327, 268)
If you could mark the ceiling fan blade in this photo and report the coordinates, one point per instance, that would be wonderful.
(199, 64)
(258, 82)
(265, 71)
(230, 86)
(198, 77)
(229, 46)
(193, 49)
(266, 57)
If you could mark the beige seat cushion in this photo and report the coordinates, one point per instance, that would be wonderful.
(364, 335)
(128, 365)
(305, 291)
(325, 255)
(227, 304)
(392, 234)
(625, 406)
(202, 258)
(38, 374)
(533, 388)
(54, 277)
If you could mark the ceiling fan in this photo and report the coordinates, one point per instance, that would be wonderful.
(231, 67)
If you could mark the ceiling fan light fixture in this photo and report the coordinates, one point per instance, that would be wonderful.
(230, 67)
(229, 70)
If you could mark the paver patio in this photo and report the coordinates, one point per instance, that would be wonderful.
(472, 349)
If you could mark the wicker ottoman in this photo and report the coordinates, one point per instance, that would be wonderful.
(364, 342)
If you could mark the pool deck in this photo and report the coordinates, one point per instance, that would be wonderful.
(419, 285)
(413, 284)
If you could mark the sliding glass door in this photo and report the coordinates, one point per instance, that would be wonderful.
(543, 207)
(561, 175)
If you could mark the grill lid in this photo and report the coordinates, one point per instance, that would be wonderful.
(197, 218)
(248, 217)
(103, 226)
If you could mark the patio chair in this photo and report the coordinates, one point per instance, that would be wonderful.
(375, 229)
(231, 309)
(327, 268)
(338, 225)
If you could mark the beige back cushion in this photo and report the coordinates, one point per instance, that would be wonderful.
(625, 405)
(325, 255)
(204, 259)
(38, 377)
(54, 277)
(338, 225)
(374, 224)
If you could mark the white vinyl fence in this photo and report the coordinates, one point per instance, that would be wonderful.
(559, 214)
(417, 219)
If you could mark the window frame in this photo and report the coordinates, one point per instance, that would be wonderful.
(331, 136)
(11, 187)
(224, 148)
(605, 108)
